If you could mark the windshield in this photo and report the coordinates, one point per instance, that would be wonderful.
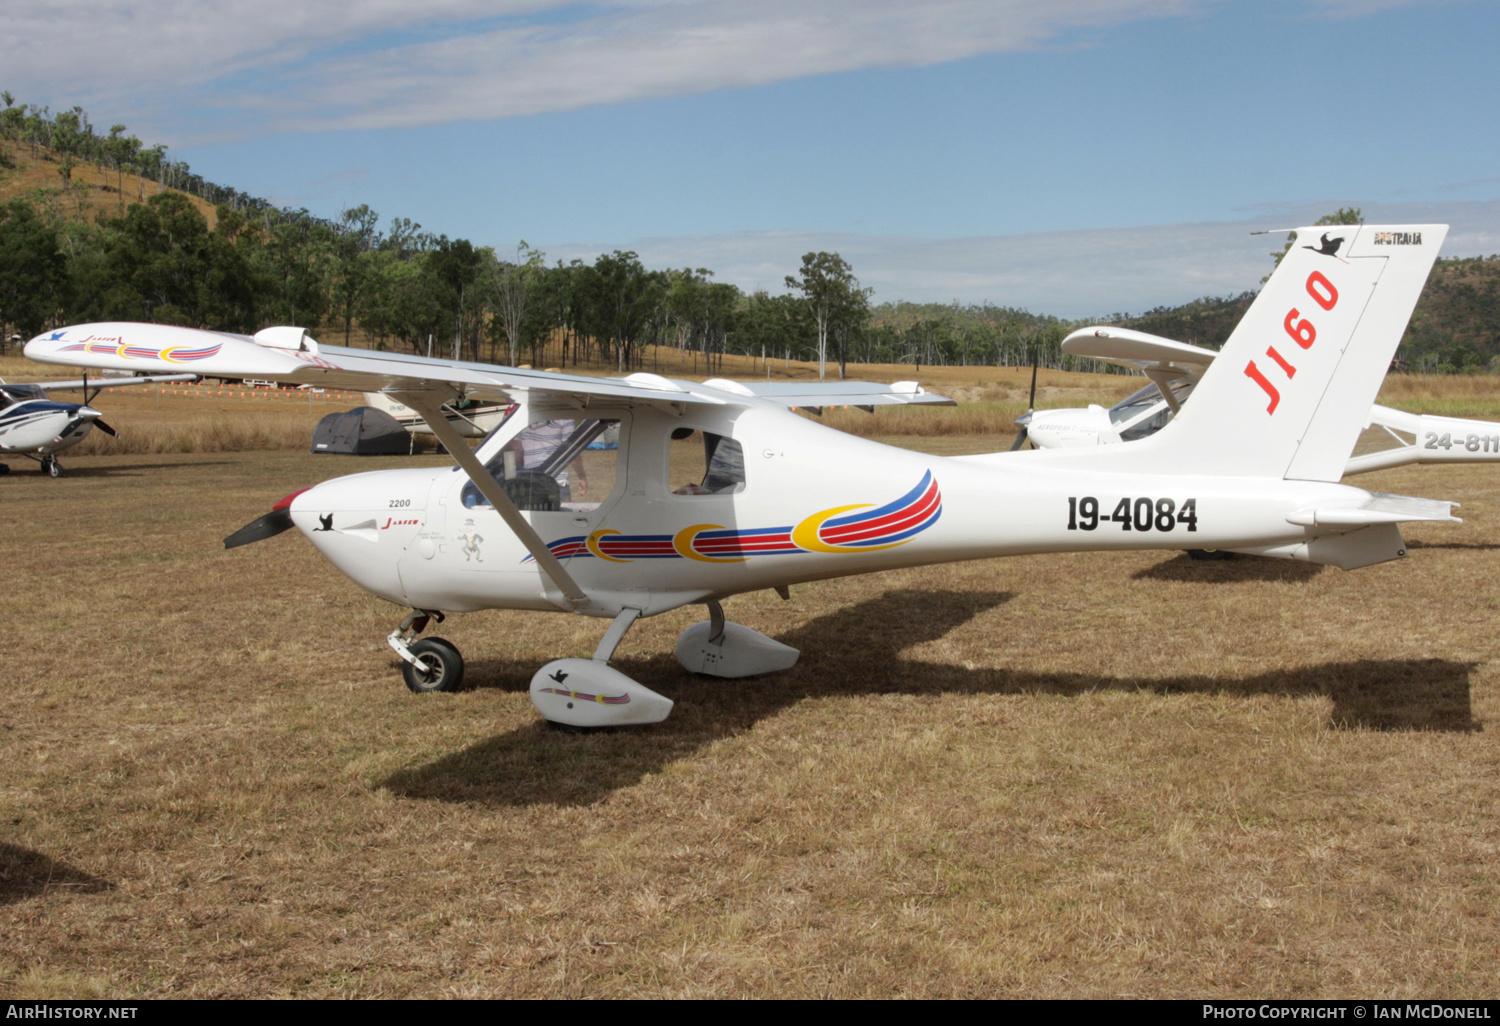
(1139, 401)
(19, 393)
(554, 464)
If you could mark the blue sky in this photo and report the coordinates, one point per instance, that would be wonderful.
(1070, 156)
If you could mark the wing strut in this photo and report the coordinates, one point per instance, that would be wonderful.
(1163, 377)
(432, 414)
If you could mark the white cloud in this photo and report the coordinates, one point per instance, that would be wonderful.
(311, 64)
(685, 48)
(1068, 274)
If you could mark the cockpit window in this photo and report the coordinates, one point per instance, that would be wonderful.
(10, 394)
(555, 465)
(1129, 414)
(703, 463)
(1137, 402)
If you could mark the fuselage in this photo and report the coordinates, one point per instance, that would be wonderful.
(797, 502)
(32, 423)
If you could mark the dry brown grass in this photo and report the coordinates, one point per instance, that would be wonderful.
(1450, 395)
(194, 418)
(96, 191)
(1090, 775)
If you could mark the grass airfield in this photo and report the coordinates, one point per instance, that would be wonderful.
(1076, 775)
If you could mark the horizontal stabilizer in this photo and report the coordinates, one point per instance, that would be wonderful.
(1380, 508)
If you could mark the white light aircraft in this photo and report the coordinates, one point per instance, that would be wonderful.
(1175, 368)
(773, 499)
(471, 418)
(34, 425)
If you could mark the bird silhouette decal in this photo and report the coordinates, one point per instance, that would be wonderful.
(559, 676)
(1330, 247)
(326, 521)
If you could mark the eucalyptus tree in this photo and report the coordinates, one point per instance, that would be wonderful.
(513, 285)
(33, 273)
(119, 150)
(71, 134)
(456, 264)
(155, 261)
(356, 240)
(296, 258)
(828, 288)
(620, 296)
(771, 325)
(560, 306)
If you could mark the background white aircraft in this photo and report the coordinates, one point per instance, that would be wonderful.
(1175, 368)
(38, 427)
(471, 418)
(718, 488)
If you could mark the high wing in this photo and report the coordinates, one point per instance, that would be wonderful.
(1160, 359)
(290, 355)
(818, 394)
(1126, 347)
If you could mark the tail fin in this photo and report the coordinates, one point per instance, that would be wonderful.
(1292, 388)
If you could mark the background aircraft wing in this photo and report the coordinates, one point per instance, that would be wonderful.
(93, 384)
(1126, 347)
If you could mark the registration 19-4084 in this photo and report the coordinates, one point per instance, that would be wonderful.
(1142, 514)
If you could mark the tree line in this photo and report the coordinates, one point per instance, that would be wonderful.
(350, 280)
(398, 286)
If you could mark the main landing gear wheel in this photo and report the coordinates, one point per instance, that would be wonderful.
(1210, 554)
(445, 667)
(4, 468)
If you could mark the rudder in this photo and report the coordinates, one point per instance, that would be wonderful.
(1292, 388)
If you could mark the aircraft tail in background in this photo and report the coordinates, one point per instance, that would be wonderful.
(1291, 390)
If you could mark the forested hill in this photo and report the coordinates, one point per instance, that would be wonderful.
(1455, 328)
(93, 192)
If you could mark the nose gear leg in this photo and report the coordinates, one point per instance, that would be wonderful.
(402, 637)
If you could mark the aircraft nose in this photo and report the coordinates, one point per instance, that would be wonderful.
(344, 519)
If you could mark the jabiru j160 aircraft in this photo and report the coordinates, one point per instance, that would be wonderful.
(1175, 369)
(719, 488)
(34, 425)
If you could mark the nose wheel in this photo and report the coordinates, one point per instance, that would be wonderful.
(431, 664)
(437, 667)
(50, 466)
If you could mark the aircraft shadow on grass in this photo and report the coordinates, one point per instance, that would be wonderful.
(1184, 568)
(26, 472)
(27, 874)
(857, 652)
(1452, 545)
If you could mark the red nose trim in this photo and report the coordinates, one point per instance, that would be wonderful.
(284, 503)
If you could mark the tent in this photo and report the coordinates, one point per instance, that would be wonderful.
(362, 431)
